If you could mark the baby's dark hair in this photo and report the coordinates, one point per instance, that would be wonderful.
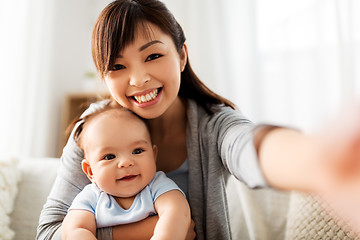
(83, 121)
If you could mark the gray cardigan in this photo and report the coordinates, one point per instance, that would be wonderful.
(217, 145)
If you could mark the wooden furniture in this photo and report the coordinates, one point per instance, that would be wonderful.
(75, 104)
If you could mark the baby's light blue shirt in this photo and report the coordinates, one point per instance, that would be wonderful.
(109, 213)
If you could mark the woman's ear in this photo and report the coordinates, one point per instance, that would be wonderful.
(183, 57)
(87, 169)
(155, 151)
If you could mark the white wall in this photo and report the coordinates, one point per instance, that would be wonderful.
(210, 54)
(221, 40)
(245, 50)
(70, 58)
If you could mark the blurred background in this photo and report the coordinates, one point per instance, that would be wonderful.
(292, 62)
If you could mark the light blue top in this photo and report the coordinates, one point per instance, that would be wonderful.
(109, 213)
(180, 176)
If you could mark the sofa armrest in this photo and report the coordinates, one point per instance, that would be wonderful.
(37, 177)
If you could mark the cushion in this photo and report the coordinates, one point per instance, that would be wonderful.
(9, 178)
(256, 213)
(38, 175)
(310, 218)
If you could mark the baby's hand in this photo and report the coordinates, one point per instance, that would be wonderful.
(191, 232)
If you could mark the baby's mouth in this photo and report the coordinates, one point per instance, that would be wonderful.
(147, 97)
(128, 177)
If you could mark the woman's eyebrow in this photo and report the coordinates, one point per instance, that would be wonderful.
(142, 48)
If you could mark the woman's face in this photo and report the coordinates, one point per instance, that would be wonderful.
(146, 76)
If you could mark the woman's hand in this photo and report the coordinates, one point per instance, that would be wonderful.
(340, 158)
(326, 163)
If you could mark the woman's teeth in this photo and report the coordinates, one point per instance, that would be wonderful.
(146, 98)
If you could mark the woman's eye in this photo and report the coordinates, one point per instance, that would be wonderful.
(138, 151)
(153, 57)
(117, 67)
(109, 156)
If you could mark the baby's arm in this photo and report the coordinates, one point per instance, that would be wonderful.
(174, 216)
(79, 224)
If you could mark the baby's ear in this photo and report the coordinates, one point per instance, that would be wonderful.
(155, 151)
(87, 169)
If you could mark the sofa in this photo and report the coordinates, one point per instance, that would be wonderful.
(255, 214)
(35, 178)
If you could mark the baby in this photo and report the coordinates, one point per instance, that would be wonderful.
(120, 161)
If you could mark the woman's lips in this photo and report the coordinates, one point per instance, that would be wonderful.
(148, 99)
(149, 96)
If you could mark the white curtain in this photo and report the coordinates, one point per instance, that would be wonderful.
(308, 53)
(25, 52)
(290, 62)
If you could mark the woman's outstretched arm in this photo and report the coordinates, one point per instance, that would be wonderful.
(326, 163)
(289, 160)
(292, 160)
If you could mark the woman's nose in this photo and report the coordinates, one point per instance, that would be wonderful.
(138, 78)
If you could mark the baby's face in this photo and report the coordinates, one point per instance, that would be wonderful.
(118, 147)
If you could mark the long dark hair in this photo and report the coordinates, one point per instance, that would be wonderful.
(116, 27)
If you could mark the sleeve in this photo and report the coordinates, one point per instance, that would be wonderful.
(162, 184)
(85, 200)
(69, 182)
(237, 149)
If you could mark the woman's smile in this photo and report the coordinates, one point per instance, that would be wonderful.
(147, 98)
(147, 80)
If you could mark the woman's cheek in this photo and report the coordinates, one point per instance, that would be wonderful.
(115, 87)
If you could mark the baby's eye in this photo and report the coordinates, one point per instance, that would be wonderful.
(109, 156)
(138, 151)
(153, 57)
(117, 67)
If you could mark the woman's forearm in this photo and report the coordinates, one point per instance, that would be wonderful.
(79, 233)
(290, 160)
(136, 231)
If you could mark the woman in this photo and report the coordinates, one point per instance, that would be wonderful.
(139, 51)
